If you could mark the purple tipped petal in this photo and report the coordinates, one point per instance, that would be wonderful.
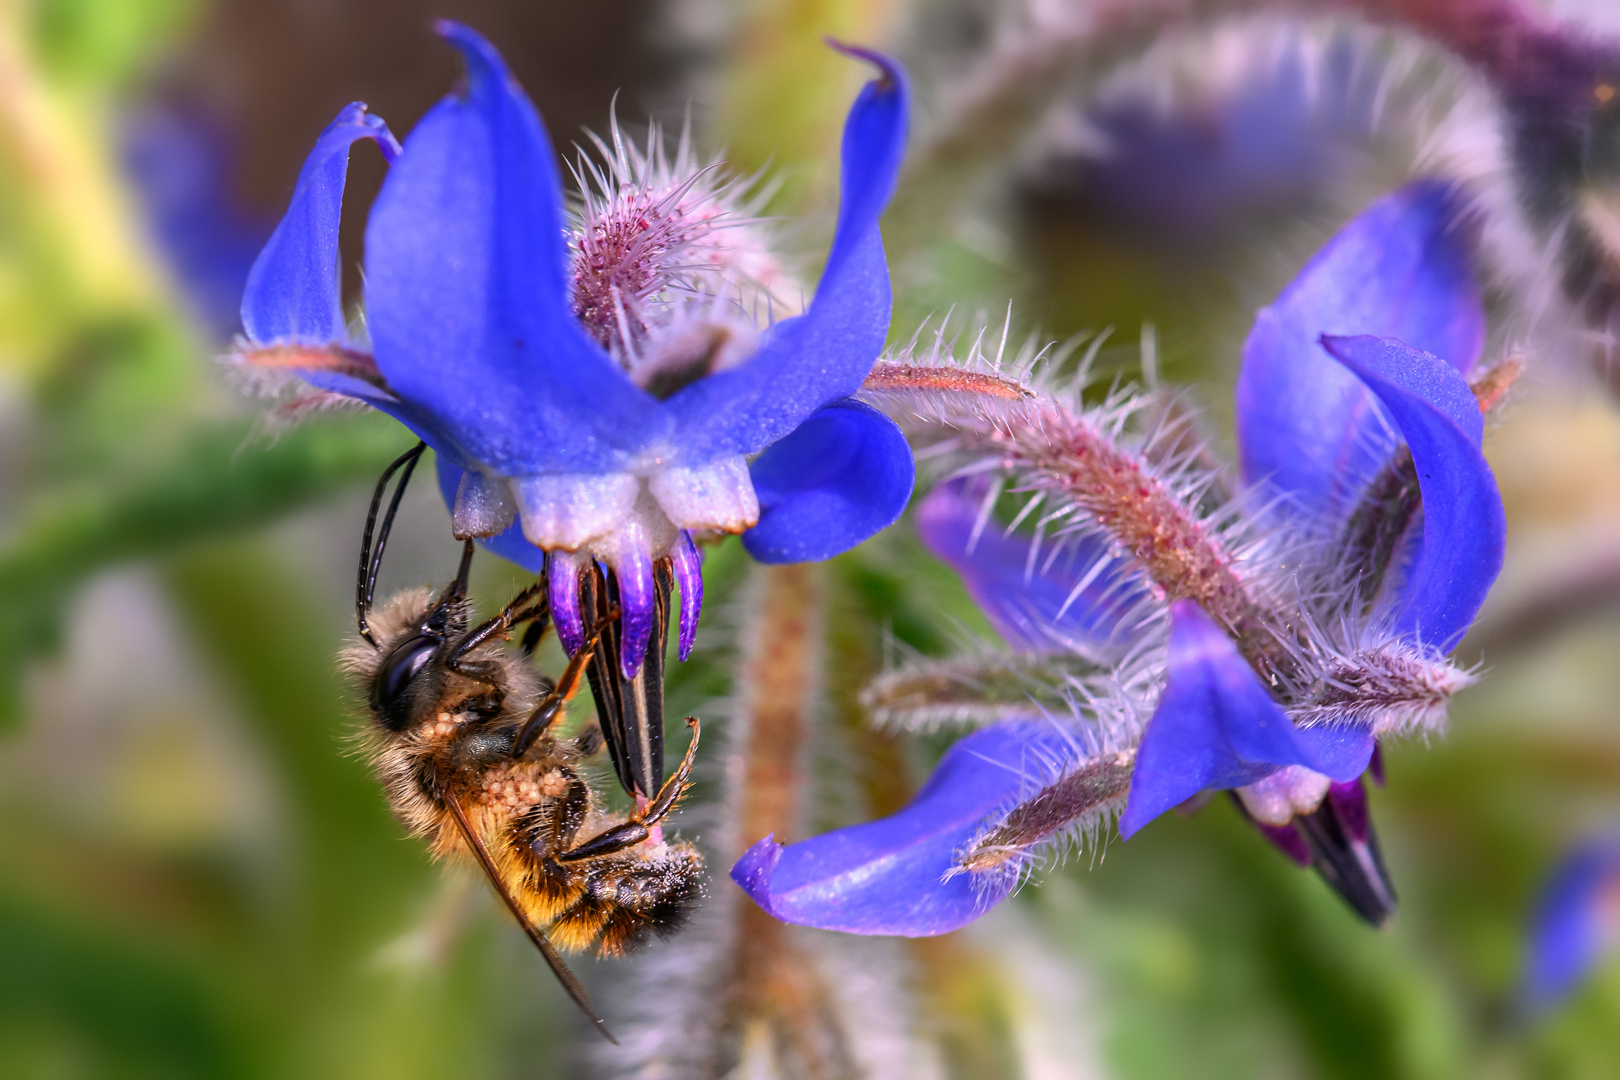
(467, 293)
(1216, 727)
(1079, 599)
(1463, 523)
(638, 595)
(689, 578)
(1577, 923)
(823, 355)
(509, 544)
(293, 292)
(893, 876)
(842, 475)
(562, 590)
(1401, 269)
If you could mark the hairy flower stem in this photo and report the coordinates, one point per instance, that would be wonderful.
(1067, 455)
(776, 1002)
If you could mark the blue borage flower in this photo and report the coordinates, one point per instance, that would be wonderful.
(1576, 925)
(1263, 646)
(599, 397)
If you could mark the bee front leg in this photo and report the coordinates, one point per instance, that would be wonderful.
(550, 707)
(500, 624)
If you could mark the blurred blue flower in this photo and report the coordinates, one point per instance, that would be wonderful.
(179, 165)
(1352, 380)
(1577, 923)
(568, 419)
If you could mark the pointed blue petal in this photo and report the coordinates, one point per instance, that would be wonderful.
(1216, 727)
(467, 291)
(1401, 269)
(509, 544)
(293, 290)
(1463, 523)
(1069, 599)
(1577, 922)
(890, 876)
(824, 355)
(842, 475)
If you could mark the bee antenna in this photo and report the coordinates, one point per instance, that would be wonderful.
(459, 586)
(371, 560)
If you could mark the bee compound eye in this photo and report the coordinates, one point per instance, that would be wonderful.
(395, 675)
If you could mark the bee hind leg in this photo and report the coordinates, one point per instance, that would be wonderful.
(641, 825)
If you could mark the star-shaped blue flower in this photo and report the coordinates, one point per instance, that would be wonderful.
(1360, 360)
(546, 442)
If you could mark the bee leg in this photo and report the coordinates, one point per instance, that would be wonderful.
(551, 705)
(500, 624)
(639, 827)
(675, 786)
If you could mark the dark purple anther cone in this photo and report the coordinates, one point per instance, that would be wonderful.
(688, 564)
(1345, 851)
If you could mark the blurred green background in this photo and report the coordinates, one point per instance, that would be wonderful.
(197, 876)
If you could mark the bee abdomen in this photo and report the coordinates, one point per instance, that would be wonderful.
(626, 901)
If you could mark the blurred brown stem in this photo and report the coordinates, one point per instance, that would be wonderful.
(777, 1002)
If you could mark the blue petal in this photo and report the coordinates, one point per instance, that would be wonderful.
(1463, 523)
(510, 544)
(1577, 921)
(467, 289)
(823, 355)
(1401, 269)
(842, 475)
(1216, 727)
(1080, 598)
(890, 876)
(293, 292)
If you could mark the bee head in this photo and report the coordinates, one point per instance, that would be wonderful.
(403, 674)
(401, 671)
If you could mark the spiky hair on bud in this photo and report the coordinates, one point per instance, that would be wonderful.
(1390, 686)
(972, 689)
(1070, 800)
(656, 230)
(1129, 472)
(272, 375)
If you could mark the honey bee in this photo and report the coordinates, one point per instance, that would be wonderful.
(464, 735)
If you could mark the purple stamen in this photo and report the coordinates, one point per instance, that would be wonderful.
(638, 594)
(1286, 838)
(562, 569)
(689, 577)
(1349, 802)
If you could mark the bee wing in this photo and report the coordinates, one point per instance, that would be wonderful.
(570, 982)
